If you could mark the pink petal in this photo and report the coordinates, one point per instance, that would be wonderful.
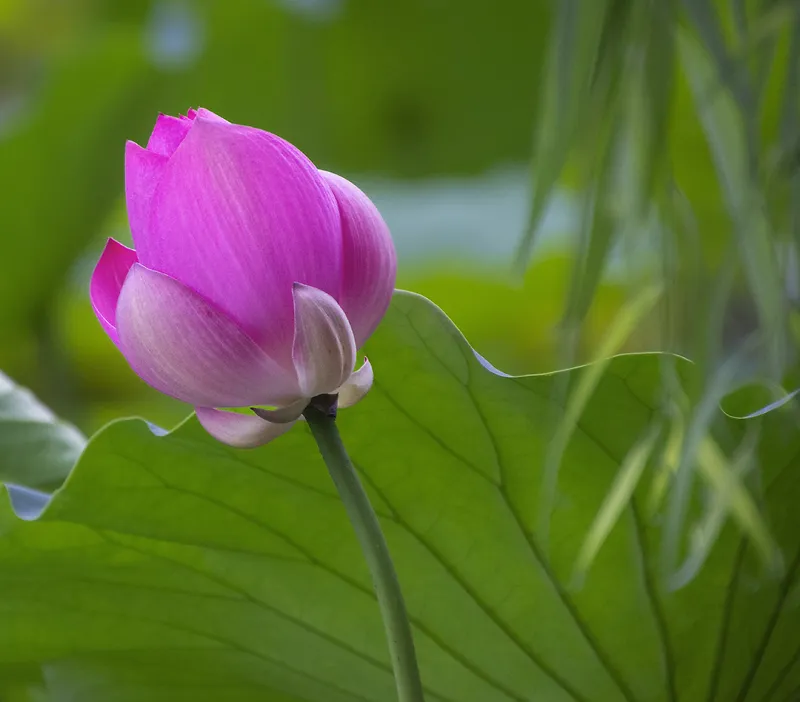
(143, 171)
(369, 258)
(238, 216)
(107, 279)
(208, 114)
(183, 346)
(357, 385)
(324, 349)
(167, 135)
(239, 430)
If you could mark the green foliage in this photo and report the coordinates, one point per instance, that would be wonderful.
(61, 178)
(672, 121)
(606, 564)
(36, 449)
(516, 325)
(174, 568)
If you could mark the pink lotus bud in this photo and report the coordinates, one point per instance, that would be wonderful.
(254, 280)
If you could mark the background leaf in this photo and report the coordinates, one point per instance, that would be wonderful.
(36, 448)
(174, 568)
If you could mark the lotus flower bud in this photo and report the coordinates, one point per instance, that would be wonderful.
(255, 277)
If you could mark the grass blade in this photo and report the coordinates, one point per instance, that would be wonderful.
(615, 502)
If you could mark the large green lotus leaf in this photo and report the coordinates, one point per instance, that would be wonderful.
(171, 567)
(36, 448)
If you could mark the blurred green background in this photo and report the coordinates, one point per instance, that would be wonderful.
(538, 162)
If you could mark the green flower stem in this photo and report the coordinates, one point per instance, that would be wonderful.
(376, 552)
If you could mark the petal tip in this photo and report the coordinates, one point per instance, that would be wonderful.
(110, 272)
(167, 135)
(208, 116)
(282, 415)
(357, 386)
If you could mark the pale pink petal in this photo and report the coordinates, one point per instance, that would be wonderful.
(143, 171)
(282, 415)
(368, 258)
(238, 216)
(239, 430)
(107, 279)
(324, 349)
(167, 135)
(357, 385)
(183, 346)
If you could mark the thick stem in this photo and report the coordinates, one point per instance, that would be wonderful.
(376, 552)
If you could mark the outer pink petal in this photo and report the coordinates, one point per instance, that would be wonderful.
(238, 216)
(324, 348)
(143, 171)
(369, 258)
(239, 430)
(183, 346)
(107, 279)
(167, 135)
